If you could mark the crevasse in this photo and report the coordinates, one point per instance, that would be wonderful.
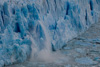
(41, 24)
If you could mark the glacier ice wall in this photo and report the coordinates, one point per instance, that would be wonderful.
(41, 24)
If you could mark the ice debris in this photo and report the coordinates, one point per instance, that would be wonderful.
(85, 61)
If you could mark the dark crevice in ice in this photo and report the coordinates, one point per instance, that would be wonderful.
(67, 9)
(86, 15)
(13, 11)
(91, 4)
(17, 28)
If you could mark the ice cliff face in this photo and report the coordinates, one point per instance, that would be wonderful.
(41, 24)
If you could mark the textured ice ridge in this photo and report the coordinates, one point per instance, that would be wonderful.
(41, 24)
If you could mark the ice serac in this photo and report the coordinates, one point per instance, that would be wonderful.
(26, 25)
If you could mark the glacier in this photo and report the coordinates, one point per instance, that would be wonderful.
(28, 26)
